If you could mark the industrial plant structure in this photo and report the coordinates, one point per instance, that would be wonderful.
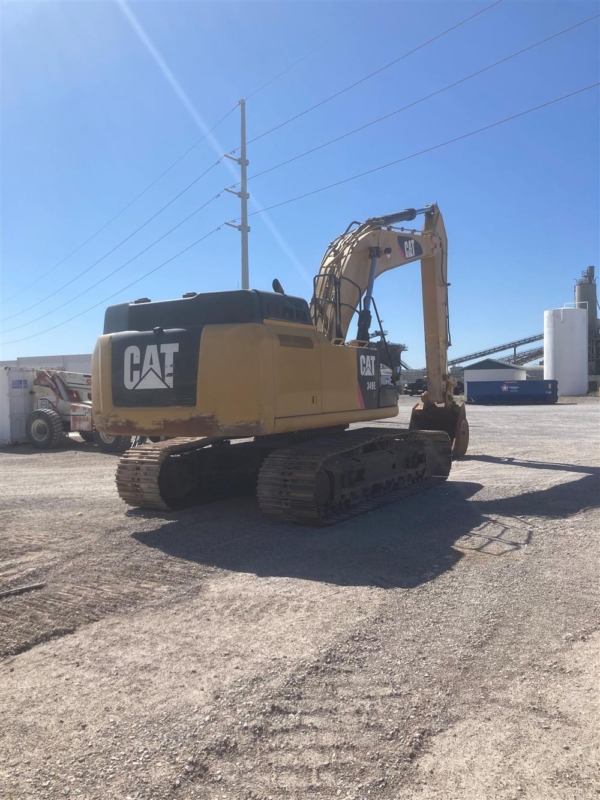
(572, 340)
(571, 345)
(586, 297)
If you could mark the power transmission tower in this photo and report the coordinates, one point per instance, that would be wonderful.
(243, 195)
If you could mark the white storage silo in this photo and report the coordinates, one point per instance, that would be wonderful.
(565, 350)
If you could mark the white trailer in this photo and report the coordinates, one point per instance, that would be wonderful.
(16, 403)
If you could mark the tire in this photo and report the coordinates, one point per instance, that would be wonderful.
(87, 436)
(44, 429)
(111, 444)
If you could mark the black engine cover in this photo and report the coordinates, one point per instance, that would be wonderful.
(155, 370)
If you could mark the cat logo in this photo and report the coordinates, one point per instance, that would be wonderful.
(367, 365)
(410, 247)
(157, 366)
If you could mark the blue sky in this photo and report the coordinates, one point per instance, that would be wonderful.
(98, 98)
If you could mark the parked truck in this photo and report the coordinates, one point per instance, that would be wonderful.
(420, 385)
(416, 387)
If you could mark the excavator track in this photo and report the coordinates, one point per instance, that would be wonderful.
(139, 471)
(180, 472)
(177, 473)
(329, 480)
(319, 480)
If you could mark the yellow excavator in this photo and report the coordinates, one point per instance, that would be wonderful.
(252, 388)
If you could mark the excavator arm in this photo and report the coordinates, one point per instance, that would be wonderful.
(344, 286)
(356, 258)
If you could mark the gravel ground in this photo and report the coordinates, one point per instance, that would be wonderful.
(444, 647)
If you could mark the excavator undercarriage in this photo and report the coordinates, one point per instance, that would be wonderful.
(307, 479)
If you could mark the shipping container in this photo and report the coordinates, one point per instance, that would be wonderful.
(491, 369)
(517, 392)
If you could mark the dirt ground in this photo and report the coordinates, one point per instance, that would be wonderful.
(446, 647)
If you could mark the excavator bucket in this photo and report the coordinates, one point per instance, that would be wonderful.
(428, 416)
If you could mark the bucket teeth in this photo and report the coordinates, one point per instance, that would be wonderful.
(437, 417)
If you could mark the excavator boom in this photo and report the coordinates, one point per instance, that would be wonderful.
(345, 282)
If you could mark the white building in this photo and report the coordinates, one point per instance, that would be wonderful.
(81, 362)
(492, 370)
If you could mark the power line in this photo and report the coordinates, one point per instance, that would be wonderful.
(420, 100)
(118, 269)
(372, 74)
(426, 150)
(112, 250)
(129, 285)
(83, 272)
(118, 214)
(149, 186)
(169, 168)
(298, 61)
(317, 191)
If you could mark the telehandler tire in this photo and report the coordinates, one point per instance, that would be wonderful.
(111, 444)
(44, 429)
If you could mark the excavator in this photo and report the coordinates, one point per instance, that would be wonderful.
(258, 389)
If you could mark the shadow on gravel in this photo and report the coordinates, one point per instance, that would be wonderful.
(547, 465)
(556, 502)
(401, 545)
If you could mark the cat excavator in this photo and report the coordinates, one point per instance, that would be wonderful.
(258, 389)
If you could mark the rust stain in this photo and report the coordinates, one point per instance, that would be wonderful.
(197, 425)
